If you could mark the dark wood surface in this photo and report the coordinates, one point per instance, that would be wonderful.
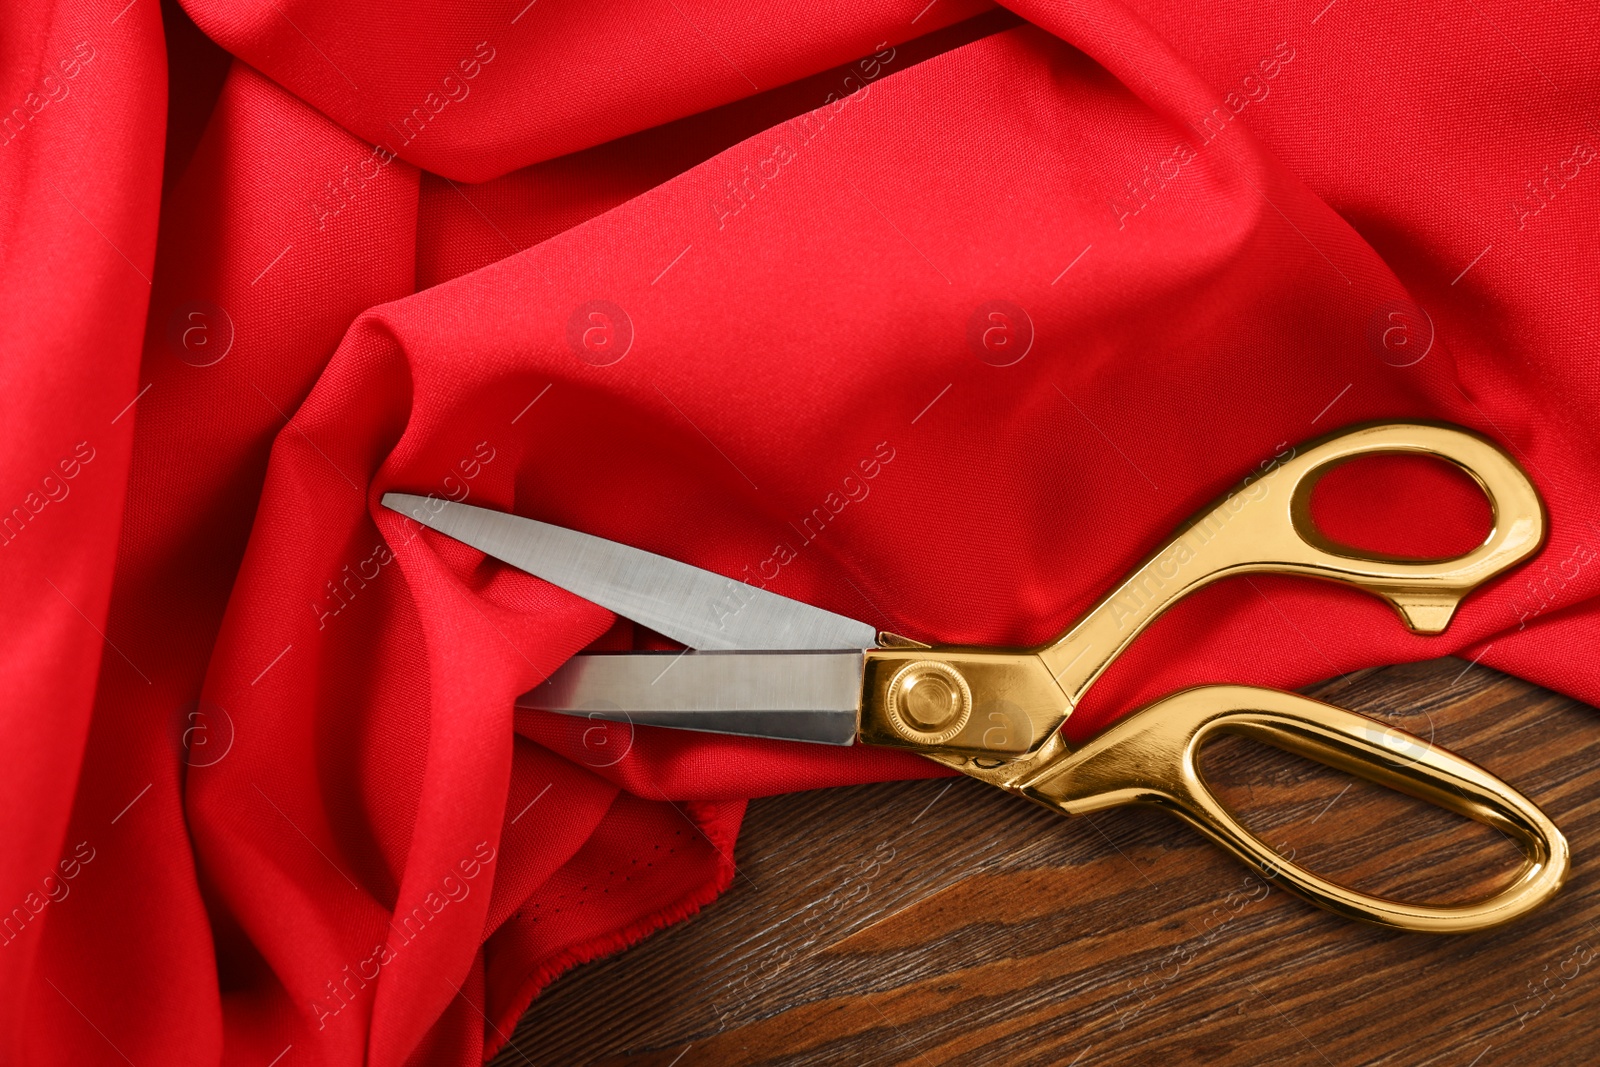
(948, 923)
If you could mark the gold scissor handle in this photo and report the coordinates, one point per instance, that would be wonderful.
(1424, 592)
(1153, 757)
(1263, 525)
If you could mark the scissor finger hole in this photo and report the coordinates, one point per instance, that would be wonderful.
(1353, 832)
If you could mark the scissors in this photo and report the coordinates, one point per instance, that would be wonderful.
(764, 665)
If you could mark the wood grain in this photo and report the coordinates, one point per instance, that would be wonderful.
(948, 923)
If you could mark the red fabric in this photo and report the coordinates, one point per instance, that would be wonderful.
(267, 794)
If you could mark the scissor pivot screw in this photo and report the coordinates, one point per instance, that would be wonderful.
(928, 702)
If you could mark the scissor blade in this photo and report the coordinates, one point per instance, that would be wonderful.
(792, 696)
(696, 607)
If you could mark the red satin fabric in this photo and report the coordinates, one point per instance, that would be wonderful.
(267, 794)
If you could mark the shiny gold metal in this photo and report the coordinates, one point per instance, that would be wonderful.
(928, 702)
(1153, 757)
(1005, 726)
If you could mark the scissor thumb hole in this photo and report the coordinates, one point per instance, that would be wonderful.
(1406, 506)
(1424, 591)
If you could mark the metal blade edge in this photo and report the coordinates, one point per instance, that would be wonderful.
(794, 696)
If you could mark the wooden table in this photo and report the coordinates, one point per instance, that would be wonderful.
(944, 922)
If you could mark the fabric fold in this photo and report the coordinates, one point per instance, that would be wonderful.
(937, 319)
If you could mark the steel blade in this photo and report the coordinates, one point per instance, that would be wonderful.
(696, 607)
(793, 696)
